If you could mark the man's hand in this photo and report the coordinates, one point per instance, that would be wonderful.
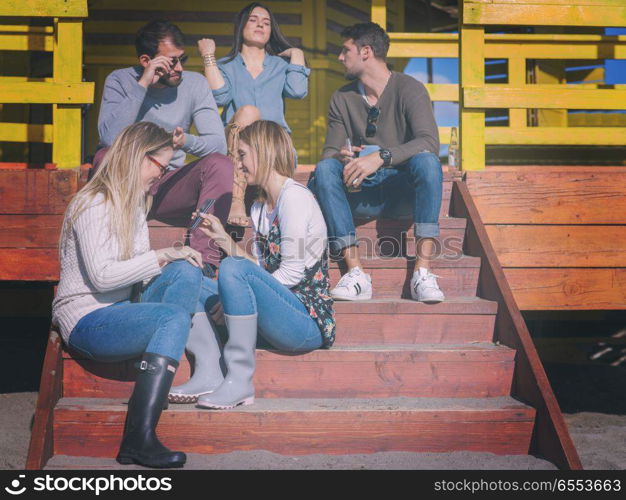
(346, 156)
(155, 69)
(178, 138)
(359, 168)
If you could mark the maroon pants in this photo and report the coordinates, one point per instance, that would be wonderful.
(181, 191)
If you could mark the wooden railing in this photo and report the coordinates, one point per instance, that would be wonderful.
(65, 90)
(551, 439)
(518, 94)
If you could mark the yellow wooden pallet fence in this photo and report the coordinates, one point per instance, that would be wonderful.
(519, 96)
(65, 90)
(517, 49)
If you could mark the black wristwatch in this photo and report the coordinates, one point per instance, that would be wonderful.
(385, 155)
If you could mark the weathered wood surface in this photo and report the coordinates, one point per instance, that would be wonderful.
(472, 73)
(550, 195)
(551, 437)
(44, 8)
(67, 118)
(545, 98)
(568, 289)
(36, 191)
(294, 427)
(375, 329)
(30, 231)
(601, 13)
(559, 246)
(423, 370)
(42, 436)
(29, 264)
(46, 92)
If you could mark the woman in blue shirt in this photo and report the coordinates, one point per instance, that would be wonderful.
(255, 74)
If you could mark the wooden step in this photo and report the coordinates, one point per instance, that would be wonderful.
(266, 460)
(93, 427)
(383, 321)
(418, 370)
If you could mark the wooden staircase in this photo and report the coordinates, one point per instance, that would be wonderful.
(402, 375)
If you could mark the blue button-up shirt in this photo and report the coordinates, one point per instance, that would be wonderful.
(278, 79)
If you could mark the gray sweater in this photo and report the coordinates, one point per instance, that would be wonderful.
(92, 275)
(406, 125)
(125, 102)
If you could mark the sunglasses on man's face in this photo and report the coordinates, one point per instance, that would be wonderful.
(372, 116)
(182, 60)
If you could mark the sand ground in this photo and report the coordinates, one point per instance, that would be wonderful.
(595, 435)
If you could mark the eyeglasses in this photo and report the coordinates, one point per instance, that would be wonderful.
(162, 167)
(372, 116)
(182, 60)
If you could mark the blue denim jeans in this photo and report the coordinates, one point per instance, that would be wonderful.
(245, 288)
(158, 324)
(413, 187)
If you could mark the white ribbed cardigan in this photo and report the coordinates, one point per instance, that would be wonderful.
(92, 275)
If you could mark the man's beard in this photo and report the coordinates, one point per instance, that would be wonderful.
(166, 80)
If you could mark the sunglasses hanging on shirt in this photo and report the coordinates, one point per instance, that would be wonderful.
(372, 116)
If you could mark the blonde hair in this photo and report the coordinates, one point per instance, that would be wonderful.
(118, 178)
(274, 151)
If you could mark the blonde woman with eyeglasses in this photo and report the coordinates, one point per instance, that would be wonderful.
(117, 299)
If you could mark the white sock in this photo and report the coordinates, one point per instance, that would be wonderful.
(421, 272)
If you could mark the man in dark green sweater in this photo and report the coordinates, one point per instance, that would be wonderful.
(383, 142)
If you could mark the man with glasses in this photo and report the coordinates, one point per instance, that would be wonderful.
(160, 91)
(380, 160)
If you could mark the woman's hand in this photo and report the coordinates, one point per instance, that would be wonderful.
(213, 228)
(217, 314)
(206, 46)
(170, 254)
(295, 55)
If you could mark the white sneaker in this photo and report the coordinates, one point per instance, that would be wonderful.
(354, 285)
(424, 287)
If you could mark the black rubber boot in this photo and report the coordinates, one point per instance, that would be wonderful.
(140, 444)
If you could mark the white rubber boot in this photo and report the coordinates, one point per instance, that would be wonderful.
(240, 357)
(207, 373)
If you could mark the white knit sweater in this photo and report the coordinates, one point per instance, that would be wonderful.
(92, 276)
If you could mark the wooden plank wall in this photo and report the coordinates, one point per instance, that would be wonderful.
(559, 232)
(32, 203)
